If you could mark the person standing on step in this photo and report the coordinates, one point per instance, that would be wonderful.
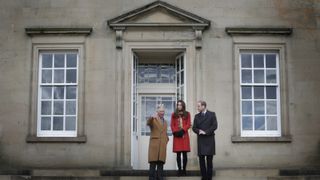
(157, 144)
(180, 124)
(204, 125)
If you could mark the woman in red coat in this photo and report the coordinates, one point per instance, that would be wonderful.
(180, 124)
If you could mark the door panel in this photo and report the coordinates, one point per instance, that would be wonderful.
(146, 108)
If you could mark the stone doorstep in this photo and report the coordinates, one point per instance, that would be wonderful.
(220, 172)
(167, 173)
(316, 177)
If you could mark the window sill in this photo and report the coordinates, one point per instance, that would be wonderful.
(282, 139)
(35, 139)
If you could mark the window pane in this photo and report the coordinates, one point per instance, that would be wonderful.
(246, 92)
(259, 107)
(71, 60)
(271, 92)
(272, 123)
(58, 76)
(58, 123)
(58, 92)
(259, 123)
(141, 72)
(70, 123)
(271, 61)
(45, 107)
(46, 123)
(246, 76)
(151, 107)
(271, 107)
(71, 76)
(182, 77)
(182, 93)
(258, 60)
(259, 76)
(46, 92)
(58, 107)
(178, 65)
(246, 61)
(172, 75)
(59, 60)
(46, 60)
(165, 74)
(46, 76)
(71, 92)
(71, 107)
(271, 76)
(259, 92)
(247, 123)
(178, 79)
(182, 63)
(246, 107)
(152, 74)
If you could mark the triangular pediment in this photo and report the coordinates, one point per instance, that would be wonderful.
(158, 14)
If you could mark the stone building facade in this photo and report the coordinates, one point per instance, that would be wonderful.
(78, 78)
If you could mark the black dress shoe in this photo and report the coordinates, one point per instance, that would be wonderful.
(184, 172)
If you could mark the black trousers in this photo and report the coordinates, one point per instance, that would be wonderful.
(156, 174)
(206, 166)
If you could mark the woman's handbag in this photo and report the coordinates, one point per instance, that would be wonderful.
(178, 133)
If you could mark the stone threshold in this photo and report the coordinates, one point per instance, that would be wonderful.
(167, 173)
(260, 172)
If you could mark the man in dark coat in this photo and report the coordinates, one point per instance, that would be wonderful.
(204, 125)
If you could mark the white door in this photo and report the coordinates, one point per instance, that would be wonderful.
(154, 84)
(146, 108)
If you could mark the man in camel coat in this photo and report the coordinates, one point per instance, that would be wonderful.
(157, 144)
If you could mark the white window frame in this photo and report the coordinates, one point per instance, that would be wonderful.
(253, 132)
(57, 133)
(180, 85)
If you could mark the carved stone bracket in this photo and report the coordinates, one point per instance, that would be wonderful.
(198, 37)
(119, 36)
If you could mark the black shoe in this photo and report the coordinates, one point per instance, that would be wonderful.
(184, 172)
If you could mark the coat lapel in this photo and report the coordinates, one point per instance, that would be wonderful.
(161, 125)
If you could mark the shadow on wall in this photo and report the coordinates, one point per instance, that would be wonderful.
(315, 159)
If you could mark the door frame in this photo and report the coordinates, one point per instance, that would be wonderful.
(192, 67)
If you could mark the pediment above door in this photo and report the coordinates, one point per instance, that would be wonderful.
(159, 14)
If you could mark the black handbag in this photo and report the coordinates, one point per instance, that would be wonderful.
(178, 133)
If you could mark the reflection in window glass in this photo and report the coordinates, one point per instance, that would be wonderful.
(156, 73)
(149, 106)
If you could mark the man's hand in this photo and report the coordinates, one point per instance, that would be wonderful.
(201, 132)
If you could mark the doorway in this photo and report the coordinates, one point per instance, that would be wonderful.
(158, 78)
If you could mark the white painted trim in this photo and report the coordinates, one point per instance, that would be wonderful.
(56, 133)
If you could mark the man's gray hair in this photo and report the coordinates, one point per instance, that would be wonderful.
(160, 107)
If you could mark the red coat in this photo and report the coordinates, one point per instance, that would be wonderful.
(181, 143)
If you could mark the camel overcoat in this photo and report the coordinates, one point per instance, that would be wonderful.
(158, 140)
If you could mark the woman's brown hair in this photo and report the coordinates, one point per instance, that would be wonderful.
(185, 113)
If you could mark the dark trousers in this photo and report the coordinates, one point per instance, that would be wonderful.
(185, 160)
(206, 168)
(156, 174)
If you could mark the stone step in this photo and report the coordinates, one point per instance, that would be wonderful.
(306, 177)
(126, 174)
